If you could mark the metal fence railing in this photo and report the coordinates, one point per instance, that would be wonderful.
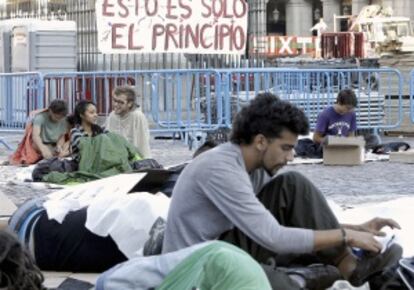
(173, 100)
(207, 100)
(314, 89)
(20, 93)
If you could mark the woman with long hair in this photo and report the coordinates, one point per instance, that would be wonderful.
(84, 124)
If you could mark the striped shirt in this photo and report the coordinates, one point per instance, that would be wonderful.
(75, 136)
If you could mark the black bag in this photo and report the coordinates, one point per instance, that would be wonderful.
(53, 164)
(308, 149)
(406, 272)
(390, 147)
(145, 164)
(153, 246)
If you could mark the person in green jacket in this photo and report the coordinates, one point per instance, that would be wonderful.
(84, 121)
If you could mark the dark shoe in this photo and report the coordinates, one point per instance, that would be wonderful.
(279, 280)
(316, 276)
(368, 267)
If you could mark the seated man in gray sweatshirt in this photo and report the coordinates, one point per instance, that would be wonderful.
(232, 193)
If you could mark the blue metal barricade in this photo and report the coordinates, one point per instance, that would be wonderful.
(206, 100)
(173, 100)
(314, 89)
(20, 93)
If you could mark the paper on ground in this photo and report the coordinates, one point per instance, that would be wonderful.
(7, 207)
(401, 210)
(60, 202)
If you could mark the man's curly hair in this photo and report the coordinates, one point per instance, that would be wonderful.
(17, 268)
(268, 115)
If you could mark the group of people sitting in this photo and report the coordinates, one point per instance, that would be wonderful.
(52, 135)
(50, 132)
(234, 221)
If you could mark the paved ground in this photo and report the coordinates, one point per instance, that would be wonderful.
(371, 182)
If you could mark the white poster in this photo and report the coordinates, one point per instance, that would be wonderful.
(184, 26)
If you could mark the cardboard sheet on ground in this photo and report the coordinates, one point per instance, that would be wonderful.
(55, 279)
(22, 176)
(7, 207)
(369, 157)
(400, 209)
(59, 203)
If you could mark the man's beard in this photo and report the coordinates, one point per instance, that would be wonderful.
(272, 172)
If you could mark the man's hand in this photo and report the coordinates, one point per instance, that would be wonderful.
(363, 240)
(46, 153)
(375, 225)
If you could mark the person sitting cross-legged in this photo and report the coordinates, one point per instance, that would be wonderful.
(339, 119)
(235, 193)
(45, 135)
(336, 120)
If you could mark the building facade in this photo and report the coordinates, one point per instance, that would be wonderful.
(296, 17)
(266, 17)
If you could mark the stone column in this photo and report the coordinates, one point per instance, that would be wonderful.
(411, 9)
(401, 8)
(357, 5)
(257, 24)
(261, 25)
(331, 7)
(298, 17)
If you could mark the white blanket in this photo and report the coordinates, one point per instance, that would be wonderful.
(127, 219)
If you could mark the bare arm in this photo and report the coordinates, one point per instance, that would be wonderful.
(62, 147)
(37, 140)
(360, 236)
(318, 138)
(333, 238)
(60, 143)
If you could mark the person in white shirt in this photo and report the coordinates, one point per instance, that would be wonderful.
(128, 120)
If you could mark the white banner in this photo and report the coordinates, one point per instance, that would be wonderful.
(184, 26)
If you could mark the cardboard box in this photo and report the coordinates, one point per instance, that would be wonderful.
(403, 157)
(344, 150)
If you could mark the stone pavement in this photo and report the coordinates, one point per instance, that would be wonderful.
(346, 185)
